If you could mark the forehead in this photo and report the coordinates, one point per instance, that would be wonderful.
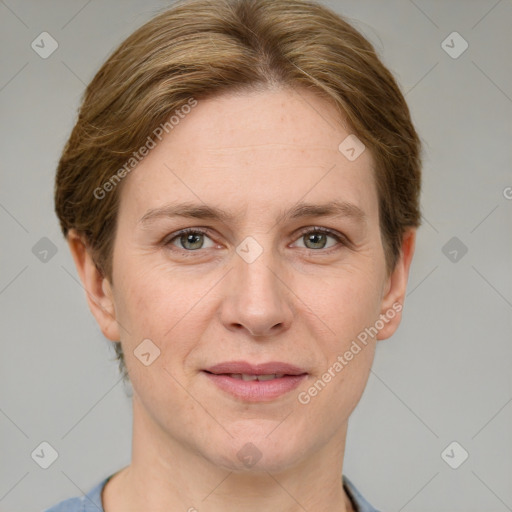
(257, 148)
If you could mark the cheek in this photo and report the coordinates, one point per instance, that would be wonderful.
(147, 296)
(347, 302)
(163, 307)
(347, 355)
(349, 306)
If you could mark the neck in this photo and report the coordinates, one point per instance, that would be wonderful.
(168, 475)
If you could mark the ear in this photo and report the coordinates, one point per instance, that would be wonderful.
(97, 287)
(395, 288)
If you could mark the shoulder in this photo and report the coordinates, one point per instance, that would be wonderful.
(69, 505)
(89, 502)
(359, 502)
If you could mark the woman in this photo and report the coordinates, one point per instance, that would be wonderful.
(240, 195)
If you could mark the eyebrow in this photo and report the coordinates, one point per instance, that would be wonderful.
(196, 211)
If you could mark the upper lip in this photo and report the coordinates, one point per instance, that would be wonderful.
(243, 367)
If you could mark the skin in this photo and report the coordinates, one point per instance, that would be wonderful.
(255, 154)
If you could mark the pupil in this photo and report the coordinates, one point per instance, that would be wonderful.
(192, 239)
(314, 236)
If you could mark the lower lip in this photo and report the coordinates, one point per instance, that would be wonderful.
(254, 390)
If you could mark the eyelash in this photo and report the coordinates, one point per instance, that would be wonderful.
(341, 239)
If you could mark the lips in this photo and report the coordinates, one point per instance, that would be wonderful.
(245, 368)
(255, 382)
(261, 378)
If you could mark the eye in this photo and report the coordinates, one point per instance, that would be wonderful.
(190, 239)
(193, 239)
(316, 238)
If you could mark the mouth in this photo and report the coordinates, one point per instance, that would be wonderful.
(248, 378)
(255, 382)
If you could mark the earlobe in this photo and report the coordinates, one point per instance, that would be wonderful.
(396, 287)
(97, 287)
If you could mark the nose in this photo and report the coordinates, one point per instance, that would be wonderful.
(256, 297)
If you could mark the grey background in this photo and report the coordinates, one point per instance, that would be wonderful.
(446, 374)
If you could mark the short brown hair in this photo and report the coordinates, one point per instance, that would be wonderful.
(199, 48)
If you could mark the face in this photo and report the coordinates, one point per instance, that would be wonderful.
(261, 284)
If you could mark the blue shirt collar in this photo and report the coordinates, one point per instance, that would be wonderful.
(91, 502)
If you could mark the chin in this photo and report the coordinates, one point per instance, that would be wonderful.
(257, 462)
(255, 451)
